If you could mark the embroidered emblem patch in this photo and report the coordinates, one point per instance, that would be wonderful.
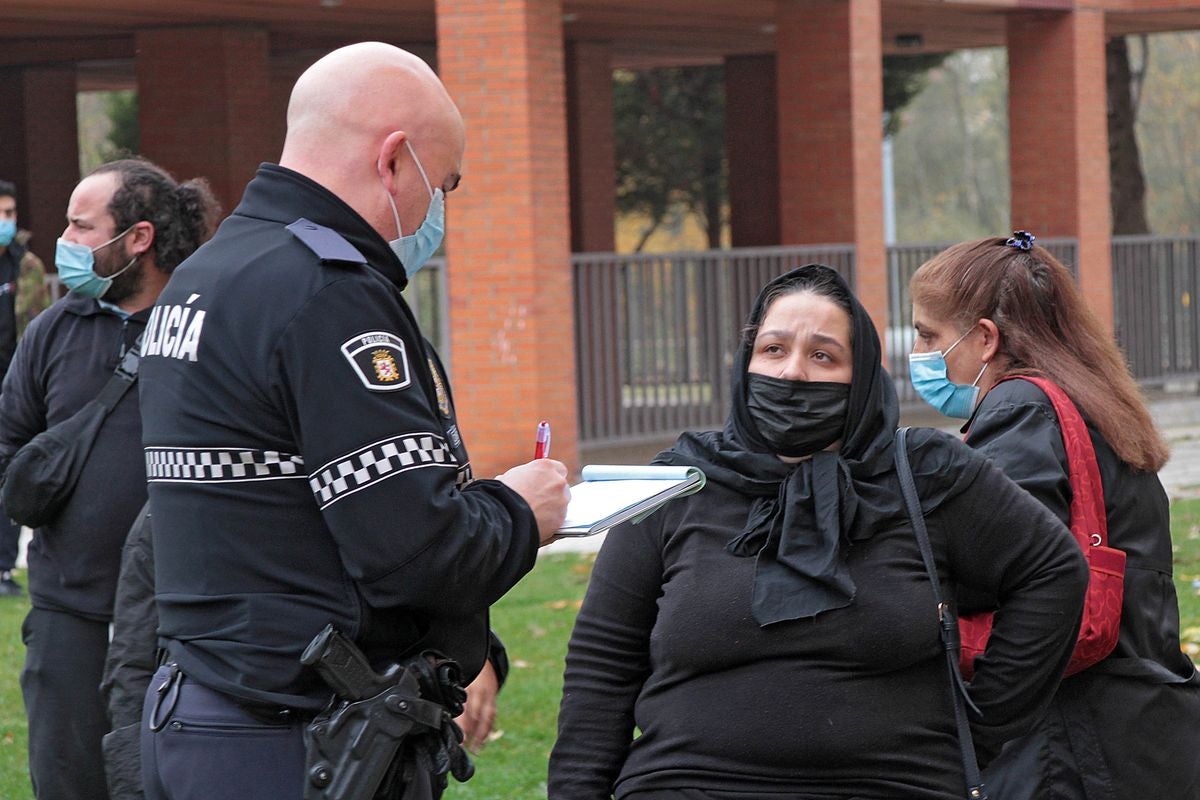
(378, 359)
(439, 386)
(385, 366)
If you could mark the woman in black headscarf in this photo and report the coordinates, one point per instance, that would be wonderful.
(775, 634)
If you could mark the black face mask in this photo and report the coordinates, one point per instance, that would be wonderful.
(797, 418)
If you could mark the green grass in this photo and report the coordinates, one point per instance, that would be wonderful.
(1185, 533)
(534, 620)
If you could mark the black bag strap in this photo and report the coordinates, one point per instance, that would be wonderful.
(947, 622)
(123, 378)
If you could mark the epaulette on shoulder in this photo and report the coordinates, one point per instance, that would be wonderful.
(326, 243)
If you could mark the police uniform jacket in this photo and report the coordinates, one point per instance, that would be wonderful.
(67, 355)
(303, 458)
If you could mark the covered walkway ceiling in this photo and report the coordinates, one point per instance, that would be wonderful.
(644, 32)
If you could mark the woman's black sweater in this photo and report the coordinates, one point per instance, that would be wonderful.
(852, 703)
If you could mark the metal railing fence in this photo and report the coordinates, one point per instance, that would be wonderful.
(1156, 289)
(656, 334)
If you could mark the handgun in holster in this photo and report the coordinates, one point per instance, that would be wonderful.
(379, 731)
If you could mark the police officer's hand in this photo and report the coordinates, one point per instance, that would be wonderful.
(479, 712)
(542, 483)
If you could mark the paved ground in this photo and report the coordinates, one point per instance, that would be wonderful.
(1181, 475)
(1178, 416)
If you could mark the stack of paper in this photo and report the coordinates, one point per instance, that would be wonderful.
(611, 494)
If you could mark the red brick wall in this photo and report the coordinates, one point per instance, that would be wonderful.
(830, 88)
(204, 104)
(591, 150)
(39, 149)
(752, 147)
(508, 228)
(1059, 139)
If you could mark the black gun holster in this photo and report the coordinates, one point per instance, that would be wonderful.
(380, 732)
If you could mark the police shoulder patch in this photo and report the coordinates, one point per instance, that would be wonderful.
(379, 360)
(439, 387)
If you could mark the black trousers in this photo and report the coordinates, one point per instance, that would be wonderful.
(209, 748)
(64, 658)
(10, 539)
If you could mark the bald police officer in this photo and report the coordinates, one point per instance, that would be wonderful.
(304, 460)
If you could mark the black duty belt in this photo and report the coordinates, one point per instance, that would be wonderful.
(167, 696)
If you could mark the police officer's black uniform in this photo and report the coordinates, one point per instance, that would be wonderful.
(305, 467)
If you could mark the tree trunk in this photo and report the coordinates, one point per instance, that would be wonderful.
(1128, 185)
(712, 221)
(646, 234)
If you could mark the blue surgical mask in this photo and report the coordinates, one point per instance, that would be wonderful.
(928, 374)
(8, 230)
(76, 265)
(416, 248)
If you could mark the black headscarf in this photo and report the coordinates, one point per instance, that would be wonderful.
(804, 515)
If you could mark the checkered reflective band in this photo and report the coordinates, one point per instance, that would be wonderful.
(376, 462)
(464, 475)
(220, 464)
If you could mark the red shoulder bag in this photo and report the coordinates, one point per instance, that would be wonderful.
(1101, 623)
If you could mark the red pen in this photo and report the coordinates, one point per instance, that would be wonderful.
(541, 448)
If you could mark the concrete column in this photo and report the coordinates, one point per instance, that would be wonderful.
(40, 148)
(1058, 139)
(508, 229)
(830, 89)
(752, 147)
(591, 149)
(204, 104)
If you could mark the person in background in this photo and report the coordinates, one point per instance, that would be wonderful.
(1128, 727)
(23, 295)
(776, 634)
(129, 224)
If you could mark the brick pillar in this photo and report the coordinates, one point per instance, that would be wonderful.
(830, 85)
(40, 148)
(203, 103)
(752, 147)
(591, 151)
(1058, 139)
(508, 230)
